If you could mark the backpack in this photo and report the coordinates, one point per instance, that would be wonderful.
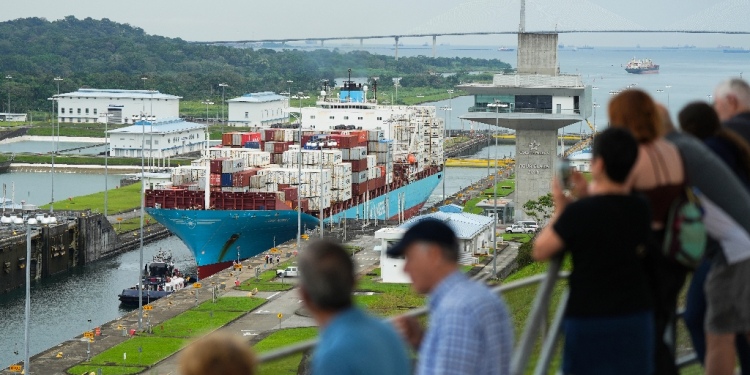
(684, 232)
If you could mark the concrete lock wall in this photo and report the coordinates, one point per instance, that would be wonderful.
(537, 54)
(535, 160)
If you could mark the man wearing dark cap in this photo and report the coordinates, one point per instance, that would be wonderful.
(469, 328)
(351, 342)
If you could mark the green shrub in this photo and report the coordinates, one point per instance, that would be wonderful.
(524, 255)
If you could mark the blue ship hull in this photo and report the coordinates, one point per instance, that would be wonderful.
(216, 238)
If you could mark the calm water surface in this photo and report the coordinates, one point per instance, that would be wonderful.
(36, 188)
(44, 147)
(62, 305)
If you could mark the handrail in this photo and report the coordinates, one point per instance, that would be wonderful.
(417, 312)
(538, 310)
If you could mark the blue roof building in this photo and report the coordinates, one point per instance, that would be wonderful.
(474, 233)
(261, 109)
(160, 138)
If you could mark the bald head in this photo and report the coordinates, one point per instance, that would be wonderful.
(731, 98)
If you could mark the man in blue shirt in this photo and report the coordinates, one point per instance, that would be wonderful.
(351, 342)
(469, 328)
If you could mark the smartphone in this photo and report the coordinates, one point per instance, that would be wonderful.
(563, 173)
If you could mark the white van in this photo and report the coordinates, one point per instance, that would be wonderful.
(529, 224)
(288, 272)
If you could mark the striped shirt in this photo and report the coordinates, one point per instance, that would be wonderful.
(469, 331)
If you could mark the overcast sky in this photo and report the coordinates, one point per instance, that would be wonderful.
(200, 20)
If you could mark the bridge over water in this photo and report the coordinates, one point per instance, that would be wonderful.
(501, 17)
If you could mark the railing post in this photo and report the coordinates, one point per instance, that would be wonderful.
(538, 310)
(550, 342)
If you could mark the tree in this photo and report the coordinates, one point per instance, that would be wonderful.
(540, 208)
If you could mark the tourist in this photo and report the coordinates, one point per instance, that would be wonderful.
(732, 104)
(609, 320)
(719, 304)
(218, 354)
(351, 342)
(658, 174)
(469, 330)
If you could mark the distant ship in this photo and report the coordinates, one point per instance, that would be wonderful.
(645, 66)
(560, 46)
(585, 47)
(505, 49)
(737, 50)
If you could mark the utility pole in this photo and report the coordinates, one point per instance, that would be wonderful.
(222, 85)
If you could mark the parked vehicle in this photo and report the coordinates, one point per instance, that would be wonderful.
(288, 272)
(518, 228)
(529, 224)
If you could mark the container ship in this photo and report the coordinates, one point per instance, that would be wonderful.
(645, 66)
(349, 158)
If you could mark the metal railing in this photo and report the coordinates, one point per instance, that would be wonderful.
(535, 326)
(525, 110)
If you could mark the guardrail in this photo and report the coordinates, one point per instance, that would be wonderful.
(535, 324)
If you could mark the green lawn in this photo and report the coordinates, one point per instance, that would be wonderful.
(510, 186)
(195, 323)
(265, 284)
(392, 299)
(106, 370)
(518, 237)
(83, 160)
(243, 304)
(131, 224)
(154, 350)
(278, 339)
(117, 200)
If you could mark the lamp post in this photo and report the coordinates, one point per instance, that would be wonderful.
(15, 220)
(668, 87)
(445, 111)
(52, 197)
(709, 96)
(396, 82)
(289, 97)
(106, 117)
(142, 118)
(8, 77)
(207, 103)
(222, 85)
(58, 80)
(497, 106)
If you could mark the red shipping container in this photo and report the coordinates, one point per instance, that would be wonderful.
(254, 137)
(361, 135)
(280, 147)
(226, 139)
(216, 165)
(268, 135)
(290, 193)
(215, 179)
(347, 141)
(358, 165)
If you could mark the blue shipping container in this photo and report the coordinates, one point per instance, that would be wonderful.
(226, 179)
(251, 144)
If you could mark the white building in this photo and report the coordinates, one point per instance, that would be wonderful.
(171, 136)
(474, 234)
(13, 117)
(262, 109)
(581, 161)
(88, 105)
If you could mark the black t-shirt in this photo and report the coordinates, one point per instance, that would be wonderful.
(607, 236)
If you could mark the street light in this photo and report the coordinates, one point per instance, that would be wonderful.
(222, 85)
(709, 96)
(207, 103)
(11, 220)
(445, 111)
(52, 198)
(289, 98)
(668, 87)
(142, 118)
(396, 82)
(8, 77)
(497, 107)
(106, 117)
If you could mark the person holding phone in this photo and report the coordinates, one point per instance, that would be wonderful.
(609, 321)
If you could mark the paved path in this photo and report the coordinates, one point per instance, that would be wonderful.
(264, 320)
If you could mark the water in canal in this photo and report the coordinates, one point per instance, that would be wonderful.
(43, 147)
(36, 187)
(62, 305)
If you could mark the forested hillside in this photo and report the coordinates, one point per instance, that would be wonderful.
(106, 54)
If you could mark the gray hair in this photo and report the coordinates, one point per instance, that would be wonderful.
(327, 275)
(736, 87)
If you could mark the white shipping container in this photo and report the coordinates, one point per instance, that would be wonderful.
(345, 153)
(343, 169)
(372, 161)
(358, 153)
(384, 158)
(316, 203)
(373, 173)
(359, 177)
(288, 135)
(375, 135)
(331, 157)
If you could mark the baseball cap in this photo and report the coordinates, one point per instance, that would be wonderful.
(429, 230)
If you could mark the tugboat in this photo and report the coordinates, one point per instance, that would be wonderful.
(159, 279)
